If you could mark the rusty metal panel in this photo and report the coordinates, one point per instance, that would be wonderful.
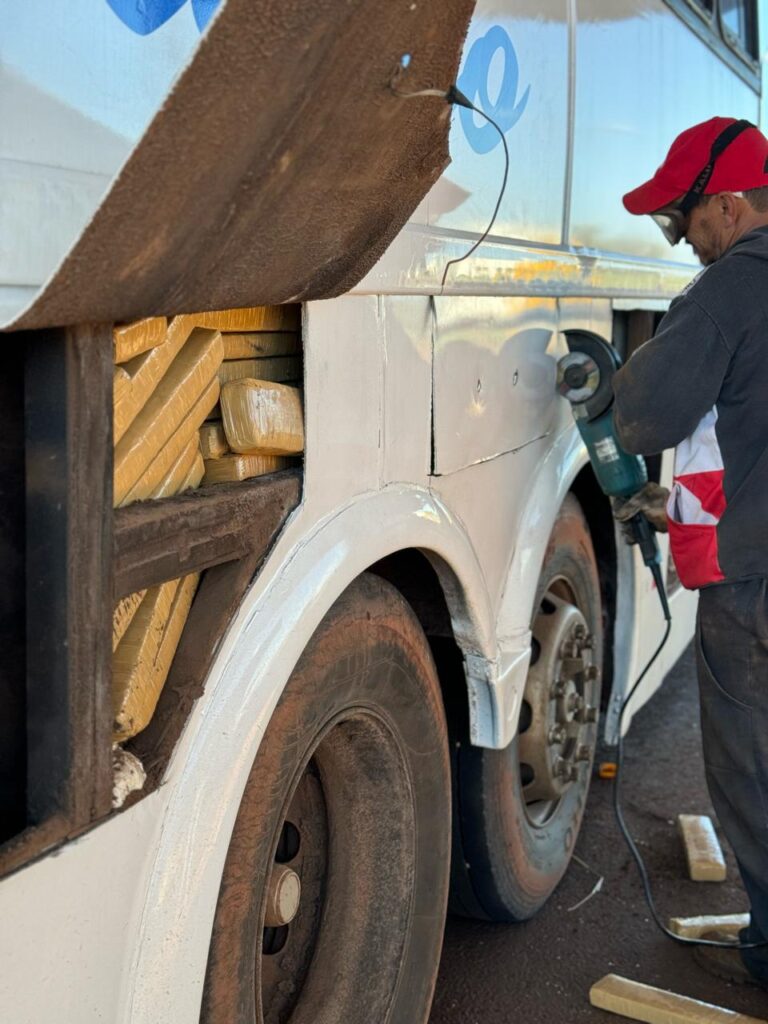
(280, 167)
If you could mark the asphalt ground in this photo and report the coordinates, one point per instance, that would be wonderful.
(540, 972)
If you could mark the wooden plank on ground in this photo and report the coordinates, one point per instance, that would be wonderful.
(695, 927)
(655, 1006)
(161, 540)
(702, 849)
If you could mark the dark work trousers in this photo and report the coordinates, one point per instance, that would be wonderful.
(732, 661)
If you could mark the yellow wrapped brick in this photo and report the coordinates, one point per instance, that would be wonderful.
(174, 480)
(278, 368)
(258, 318)
(146, 371)
(123, 616)
(256, 346)
(162, 462)
(137, 337)
(121, 384)
(259, 415)
(196, 473)
(188, 377)
(213, 440)
(241, 467)
(141, 663)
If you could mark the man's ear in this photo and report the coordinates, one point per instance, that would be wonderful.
(728, 206)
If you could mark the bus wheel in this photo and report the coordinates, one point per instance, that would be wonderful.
(521, 808)
(333, 898)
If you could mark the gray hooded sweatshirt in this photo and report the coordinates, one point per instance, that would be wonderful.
(701, 386)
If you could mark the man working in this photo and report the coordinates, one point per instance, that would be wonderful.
(701, 386)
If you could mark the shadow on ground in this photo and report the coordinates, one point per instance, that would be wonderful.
(540, 972)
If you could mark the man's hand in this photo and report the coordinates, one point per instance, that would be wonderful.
(651, 501)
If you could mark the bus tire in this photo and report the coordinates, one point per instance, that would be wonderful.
(333, 898)
(520, 809)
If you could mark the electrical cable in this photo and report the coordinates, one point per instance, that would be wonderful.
(455, 96)
(642, 870)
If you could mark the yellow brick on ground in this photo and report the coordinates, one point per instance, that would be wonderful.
(168, 454)
(702, 849)
(196, 473)
(655, 1006)
(259, 345)
(258, 318)
(188, 377)
(141, 663)
(213, 440)
(123, 615)
(279, 368)
(146, 371)
(137, 337)
(261, 416)
(241, 467)
(174, 480)
(695, 927)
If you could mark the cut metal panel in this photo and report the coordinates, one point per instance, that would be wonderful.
(494, 378)
(234, 172)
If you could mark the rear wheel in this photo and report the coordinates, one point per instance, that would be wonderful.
(334, 891)
(519, 810)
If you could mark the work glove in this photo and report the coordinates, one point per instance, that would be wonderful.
(651, 501)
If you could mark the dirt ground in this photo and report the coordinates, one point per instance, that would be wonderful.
(540, 972)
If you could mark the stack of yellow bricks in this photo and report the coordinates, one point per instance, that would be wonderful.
(204, 398)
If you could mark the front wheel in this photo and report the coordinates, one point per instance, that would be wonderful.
(520, 809)
(333, 898)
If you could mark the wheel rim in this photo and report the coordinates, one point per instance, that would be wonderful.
(348, 835)
(558, 729)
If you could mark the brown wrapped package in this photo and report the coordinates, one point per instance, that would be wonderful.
(162, 462)
(187, 378)
(256, 346)
(241, 467)
(259, 415)
(141, 663)
(259, 318)
(147, 370)
(123, 616)
(213, 440)
(173, 481)
(278, 368)
(137, 337)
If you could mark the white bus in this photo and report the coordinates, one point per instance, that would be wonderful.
(398, 705)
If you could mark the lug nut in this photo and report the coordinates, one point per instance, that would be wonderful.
(590, 715)
(558, 688)
(583, 753)
(565, 770)
(579, 630)
(575, 702)
(283, 896)
(592, 673)
(556, 735)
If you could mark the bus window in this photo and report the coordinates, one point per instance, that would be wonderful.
(739, 19)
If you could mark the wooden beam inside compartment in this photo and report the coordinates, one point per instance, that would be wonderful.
(219, 595)
(68, 426)
(156, 541)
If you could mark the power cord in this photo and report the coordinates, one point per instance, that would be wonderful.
(617, 808)
(455, 96)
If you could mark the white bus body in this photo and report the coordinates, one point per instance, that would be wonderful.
(432, 421)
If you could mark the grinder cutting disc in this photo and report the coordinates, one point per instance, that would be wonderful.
(588, 370)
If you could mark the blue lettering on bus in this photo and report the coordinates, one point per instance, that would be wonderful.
(506, 110)
(146, 16)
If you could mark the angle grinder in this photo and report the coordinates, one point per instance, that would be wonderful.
(585, 378)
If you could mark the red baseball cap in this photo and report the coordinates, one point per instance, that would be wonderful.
(741, 166)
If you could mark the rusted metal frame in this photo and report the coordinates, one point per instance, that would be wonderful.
(68, 426)
(13, 741)
(155, 541)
